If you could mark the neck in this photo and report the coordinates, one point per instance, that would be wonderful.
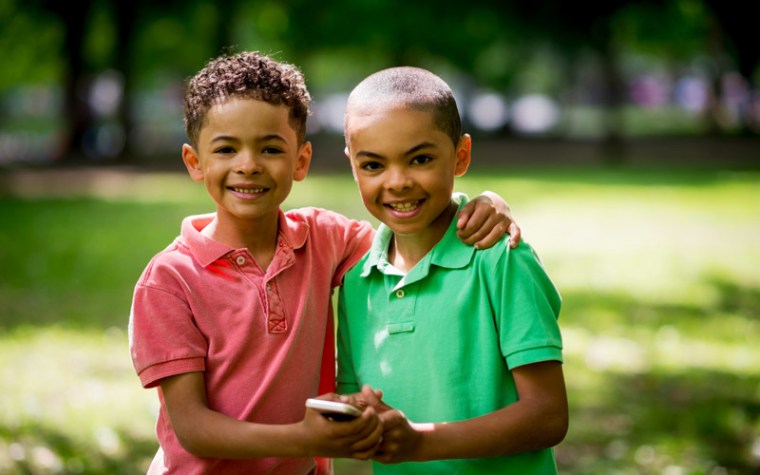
(406, 250)
(258, 236)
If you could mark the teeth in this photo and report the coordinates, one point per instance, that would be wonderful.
(404, 206)
(251, 191)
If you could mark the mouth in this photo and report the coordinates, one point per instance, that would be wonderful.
(247, 191)
(404, 207)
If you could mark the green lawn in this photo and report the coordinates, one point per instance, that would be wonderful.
(658, 270)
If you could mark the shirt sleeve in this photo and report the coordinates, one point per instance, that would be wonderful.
(528, 310)
(163, 339)
(351, 240)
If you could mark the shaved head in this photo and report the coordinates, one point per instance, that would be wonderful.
(406, 87)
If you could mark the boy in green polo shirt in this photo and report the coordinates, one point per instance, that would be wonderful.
(465, 342)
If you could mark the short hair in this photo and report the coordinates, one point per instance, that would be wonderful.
(412, 87)
(248, 75)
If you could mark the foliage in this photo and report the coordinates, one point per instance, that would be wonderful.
(29, 41)
(657, 271)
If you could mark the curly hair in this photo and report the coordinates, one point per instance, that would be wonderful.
(249, 75)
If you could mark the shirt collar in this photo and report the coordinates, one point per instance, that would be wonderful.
(293, 232)
(449, 252)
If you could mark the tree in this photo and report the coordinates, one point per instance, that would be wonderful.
(736, 32)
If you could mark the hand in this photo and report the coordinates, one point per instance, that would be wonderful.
(485, 219)
(360, 400)
(357, 438)
(401, 439)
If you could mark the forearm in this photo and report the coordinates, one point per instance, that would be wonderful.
(524, 426)
(538, 420)
(212, 434)
(207, 433)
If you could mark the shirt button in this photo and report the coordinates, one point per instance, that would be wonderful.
(240, 260)
(400, 293)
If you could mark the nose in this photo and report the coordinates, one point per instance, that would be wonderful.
(247, 163)
(398, 179)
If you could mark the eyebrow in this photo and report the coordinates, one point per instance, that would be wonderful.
(264, 138)
(416, 148)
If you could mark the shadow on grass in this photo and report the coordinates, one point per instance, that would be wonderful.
(664, 417)
(38, 449)
(625, 311)
(705, 422)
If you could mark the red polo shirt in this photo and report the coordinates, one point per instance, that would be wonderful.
(258, 336)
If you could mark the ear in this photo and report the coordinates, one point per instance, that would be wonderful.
(192, 162)
(463, 154)
(302, 162)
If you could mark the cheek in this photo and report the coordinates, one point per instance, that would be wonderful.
(366, 188)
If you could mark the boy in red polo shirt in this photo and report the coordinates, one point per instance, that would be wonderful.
(230, 322)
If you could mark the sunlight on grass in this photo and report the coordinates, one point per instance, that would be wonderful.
(661, 311)
(76, 389)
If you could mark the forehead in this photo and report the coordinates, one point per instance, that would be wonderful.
(242, 117)
(390, 122)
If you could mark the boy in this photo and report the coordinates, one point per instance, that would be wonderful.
(233, 321)
(462, 340)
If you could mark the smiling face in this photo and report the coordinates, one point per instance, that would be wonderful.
(248, 155)
(405, 167)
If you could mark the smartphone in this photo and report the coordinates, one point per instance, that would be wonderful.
(333, 410)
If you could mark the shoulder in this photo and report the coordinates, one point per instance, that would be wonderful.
(320, 216)
(359, 271)
(323, 222)
(172, 260)
(501, 258)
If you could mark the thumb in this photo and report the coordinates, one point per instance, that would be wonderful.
(371, 396)
(463, 217)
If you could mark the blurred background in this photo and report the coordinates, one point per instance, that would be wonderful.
(101, 81)
(624, 134)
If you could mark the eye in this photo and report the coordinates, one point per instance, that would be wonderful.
(272, 150)
(371, 166)
(224, 149)
(421, 159)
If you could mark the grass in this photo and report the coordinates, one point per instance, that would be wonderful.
(658, 270)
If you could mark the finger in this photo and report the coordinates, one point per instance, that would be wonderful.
(369, 425)
(353, 399)
(371, 396)
(490, 239)
(514, 234)
(366, 447)
(391, 419)
(358, 427)
(474, 222)
(369, 441)
(463, 217)
(477, 235)
(471, 207)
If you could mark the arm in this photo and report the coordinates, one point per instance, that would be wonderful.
(538, 420)
(485, 219)
(207, 433)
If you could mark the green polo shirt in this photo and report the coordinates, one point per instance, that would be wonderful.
(440, 341)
